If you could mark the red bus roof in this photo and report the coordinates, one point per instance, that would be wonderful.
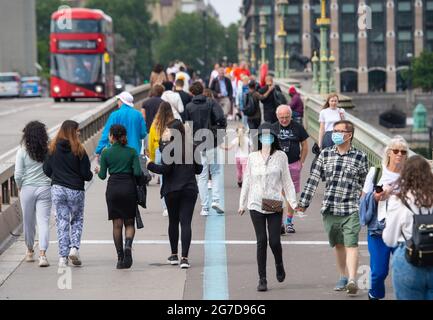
(82, 13)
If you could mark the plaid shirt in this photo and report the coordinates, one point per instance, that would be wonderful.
(344, 176)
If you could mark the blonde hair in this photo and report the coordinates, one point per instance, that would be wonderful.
(396, 141)
(331, 95)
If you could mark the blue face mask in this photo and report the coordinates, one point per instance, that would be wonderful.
(267, 139)
(338, 138)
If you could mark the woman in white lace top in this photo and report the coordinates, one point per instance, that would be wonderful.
(267, 177)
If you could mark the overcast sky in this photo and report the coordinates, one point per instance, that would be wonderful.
(228, 10)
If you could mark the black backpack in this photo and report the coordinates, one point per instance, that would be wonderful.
(419, 249)
(279, 97)
(250, 108)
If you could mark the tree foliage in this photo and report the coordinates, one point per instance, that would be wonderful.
(422, 67)
(196, 39)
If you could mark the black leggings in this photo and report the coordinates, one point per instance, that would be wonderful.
(274, 228)
(180, 206)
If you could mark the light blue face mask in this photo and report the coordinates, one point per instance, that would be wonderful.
(267, 139)
(338, 138)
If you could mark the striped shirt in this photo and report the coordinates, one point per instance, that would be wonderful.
(344, 175)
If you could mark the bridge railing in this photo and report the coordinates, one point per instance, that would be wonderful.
(367, 138)
(90, 124)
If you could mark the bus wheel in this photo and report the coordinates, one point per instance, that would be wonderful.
(57, 99)
(72, 99)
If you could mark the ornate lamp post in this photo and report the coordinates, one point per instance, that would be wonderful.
(253, 48)
(323, 22)
(263, 46)
(282, 34)
(315, 62)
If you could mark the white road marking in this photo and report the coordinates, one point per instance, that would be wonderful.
(234, 242)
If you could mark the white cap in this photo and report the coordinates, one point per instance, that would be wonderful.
(126, 98)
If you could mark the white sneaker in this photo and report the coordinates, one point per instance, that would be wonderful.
(29, 256)
(209, 184)
(63, 262)
(217, 207)
(204, 212)
(165, 213)
(74, 256)
(43, 262)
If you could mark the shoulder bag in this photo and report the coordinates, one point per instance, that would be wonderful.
(271, 205)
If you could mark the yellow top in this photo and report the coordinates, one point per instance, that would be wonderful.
(153, 142)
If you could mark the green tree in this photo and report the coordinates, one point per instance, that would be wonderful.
(422, 71)
(131, 22)
(195, 39)
(232, 43)
(44, 9)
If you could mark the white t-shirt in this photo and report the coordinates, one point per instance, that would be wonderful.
(241, 152)
(387, 178)
(330, 116)
(186, 79)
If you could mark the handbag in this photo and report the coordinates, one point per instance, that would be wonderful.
(141, 190)
(138, 220)
(271, 205)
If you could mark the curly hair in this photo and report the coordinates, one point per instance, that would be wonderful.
(35, 140)
(118, 132)
(417, 180)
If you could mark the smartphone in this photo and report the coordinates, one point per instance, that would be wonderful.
(378, 189)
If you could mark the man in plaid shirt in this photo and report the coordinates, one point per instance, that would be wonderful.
(344, 169)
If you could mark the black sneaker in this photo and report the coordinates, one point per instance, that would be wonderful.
(281, 274)
(173, 260)
(283, 229)
(240, 184)
(263, 285)
(184, 264)
(290, 228)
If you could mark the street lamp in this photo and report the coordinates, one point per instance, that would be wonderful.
(279, 56)
(409, 56)
(262, 24)
(253, 48)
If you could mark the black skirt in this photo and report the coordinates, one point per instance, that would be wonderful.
(121, 196)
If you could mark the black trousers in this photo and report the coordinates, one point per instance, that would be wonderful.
(180, 206)
(254, 123)
(274, 228)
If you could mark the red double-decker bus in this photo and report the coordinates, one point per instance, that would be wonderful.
(81, 47)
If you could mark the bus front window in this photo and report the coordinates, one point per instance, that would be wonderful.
(77, 68)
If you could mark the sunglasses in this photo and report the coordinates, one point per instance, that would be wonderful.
(396, 151)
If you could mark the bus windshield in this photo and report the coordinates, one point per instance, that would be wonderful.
(77, 68)
(76, 26)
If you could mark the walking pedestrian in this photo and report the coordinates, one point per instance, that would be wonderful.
(241, 145)
(184, 96)
(266, 177)
(241, 92)
(380, 184)
(128, 117)
(252, 105)
(179, 189)
(296, 104)
(293, 141)
(157, 76)
(175, 101)
(123, 165)
(214, 73)
(328, 116)
(68, 166)
(344, 168)
(269, 99)
(162, 119)
(34, 188)
(207, 114)
(411, 281)
(223, 91)
(151, 105)
(183, 75)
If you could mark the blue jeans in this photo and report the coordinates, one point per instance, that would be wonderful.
(212, 160)
(158, 161)
(410, 282)
(380, 254)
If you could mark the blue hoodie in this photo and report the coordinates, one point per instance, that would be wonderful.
(368, 214)
(134, 123)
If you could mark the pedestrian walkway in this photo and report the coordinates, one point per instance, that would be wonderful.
(309, 261)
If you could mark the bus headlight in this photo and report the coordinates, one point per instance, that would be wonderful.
(99, 89)
(56, 89)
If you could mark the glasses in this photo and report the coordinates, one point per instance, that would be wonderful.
(341, 131)
(396, 151)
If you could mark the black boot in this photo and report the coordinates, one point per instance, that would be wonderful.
(263, 285)
(127, 260)
(120, 257)
(281, 274)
